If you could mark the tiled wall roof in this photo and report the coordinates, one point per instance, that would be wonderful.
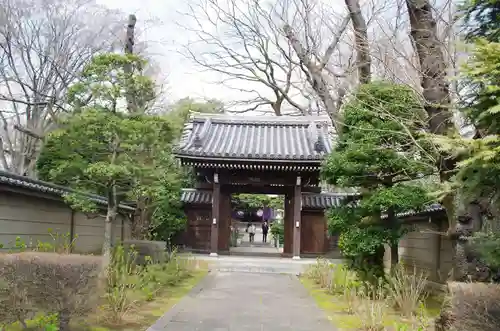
(433, 208)
(45, 187)
(309, 200)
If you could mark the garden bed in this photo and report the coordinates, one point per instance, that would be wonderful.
(341, 296)
(146, 313)
(127, 297)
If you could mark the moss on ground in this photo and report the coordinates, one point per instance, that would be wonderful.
(336, 309)
(145, 314)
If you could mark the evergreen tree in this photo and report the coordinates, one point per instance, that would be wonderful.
(379, 151)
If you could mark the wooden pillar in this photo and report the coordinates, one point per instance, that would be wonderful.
(214, 230)
(297, 219)
(288, 225)
(224, 220)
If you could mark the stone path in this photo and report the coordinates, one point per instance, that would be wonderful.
(232, 301)
(258, 264)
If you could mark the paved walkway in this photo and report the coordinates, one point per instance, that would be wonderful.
(258, 264)
(246, 302)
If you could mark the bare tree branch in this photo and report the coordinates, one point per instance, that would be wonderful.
(361, 37)
(43, 47)
(238, 39)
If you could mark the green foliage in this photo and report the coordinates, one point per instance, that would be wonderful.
(400, 197)
(487, 244)
(102, 149)
(481, 19)
(168, 217)
(122, 276)
(19, 245)
(478, 173)
(477, 176)
(482, 72)
(380, 150)
(42, 322)
(98, 151)
(180, 110)
(278, 231)
(108, 78)
(398, 304)
(128, 282)
(380, 141)
(246, 201)
(59, 243)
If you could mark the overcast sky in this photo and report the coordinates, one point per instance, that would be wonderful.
(164, 38)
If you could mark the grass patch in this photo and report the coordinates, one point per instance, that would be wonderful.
(145, 314)
(142, 316)
(128, 296)
(387, 307)
(336, 308)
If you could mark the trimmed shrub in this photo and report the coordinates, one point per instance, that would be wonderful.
(471, 307)
(54, 283)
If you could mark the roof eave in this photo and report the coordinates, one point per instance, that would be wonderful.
(206, 158)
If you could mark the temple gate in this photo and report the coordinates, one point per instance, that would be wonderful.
(264, 155)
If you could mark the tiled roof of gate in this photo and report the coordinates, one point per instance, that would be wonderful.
(14, 180)
(309, 200)
(196, 196)
(286, 138)
(323, 200)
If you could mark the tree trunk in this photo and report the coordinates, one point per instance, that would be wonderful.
(318, 82)
(108, 225)
(438, 105)
(142, 219)
(363, 59)
(129, 49)
(393, 225)
(64, 320)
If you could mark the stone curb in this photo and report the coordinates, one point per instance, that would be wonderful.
(162, 322)
(259, 270)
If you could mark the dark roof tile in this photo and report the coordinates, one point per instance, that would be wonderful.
(309, 200)
(293, 138)
(323, 200)
(11, 179)
(430, 209)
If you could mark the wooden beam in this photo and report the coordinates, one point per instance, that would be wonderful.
(257, 178)
(266, 189)
(256, 165)
(237, 189)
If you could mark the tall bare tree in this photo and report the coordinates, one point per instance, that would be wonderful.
(464, 217)
(326, 80)
(363, 60)
(43, 45)
(242, 41)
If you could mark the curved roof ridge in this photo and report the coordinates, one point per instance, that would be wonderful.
(286, 119)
